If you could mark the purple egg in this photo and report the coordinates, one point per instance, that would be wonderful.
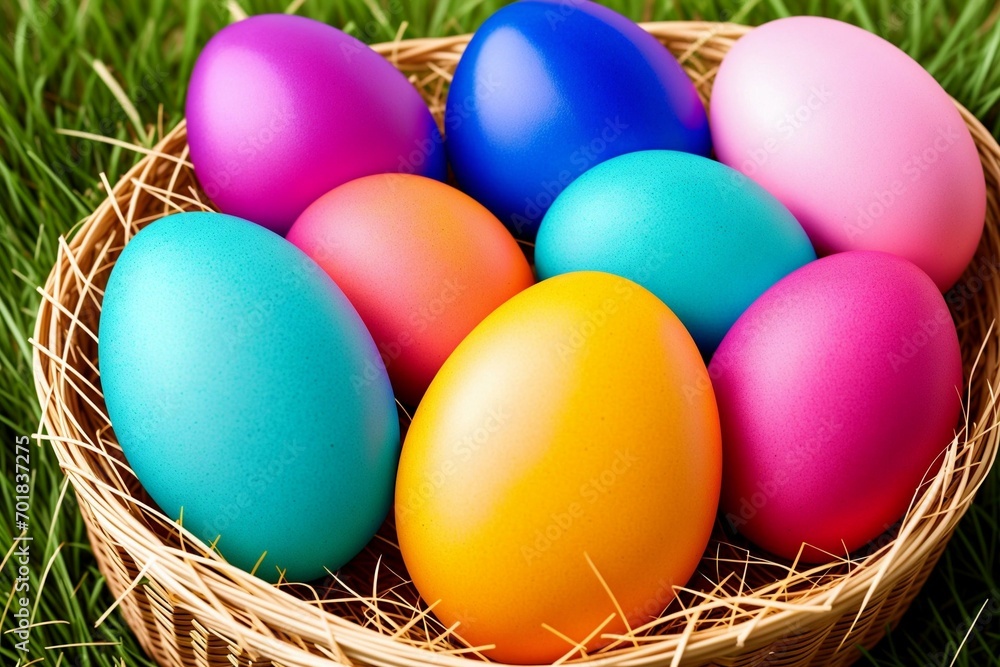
(281, 109)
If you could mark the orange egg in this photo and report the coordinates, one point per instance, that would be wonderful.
(571, 442)
(422, 262)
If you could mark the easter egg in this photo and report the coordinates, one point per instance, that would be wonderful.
(281, 109)
(562, 448)
(422, 262)
(861, 144)
(699, 235)
(838, 389)
(546, 90)
(231, 367)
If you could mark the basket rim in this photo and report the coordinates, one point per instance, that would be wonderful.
(164, 564)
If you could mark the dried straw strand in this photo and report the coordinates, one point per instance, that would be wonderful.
(191, 609)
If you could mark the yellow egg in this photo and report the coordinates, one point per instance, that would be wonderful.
(561, 475)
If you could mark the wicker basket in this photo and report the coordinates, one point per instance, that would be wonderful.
(189, 608)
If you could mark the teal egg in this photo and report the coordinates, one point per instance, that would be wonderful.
(247, 395)
(701, 236)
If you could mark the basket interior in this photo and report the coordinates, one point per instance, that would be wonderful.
(736, 587)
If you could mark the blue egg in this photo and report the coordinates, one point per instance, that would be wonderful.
(247, 395)
(701, 236)
(547, 89)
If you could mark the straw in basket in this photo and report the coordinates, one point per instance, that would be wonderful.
(191, 609)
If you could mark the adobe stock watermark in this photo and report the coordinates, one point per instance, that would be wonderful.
(783, 130)
(561, 11)
(263, 311)
(654, 605)
(37, 20)
(371, 29)
(457, 113)
(108, 124)
(723, 361)
(255, 486)
(150, 82)
(582, 158)
(882, 200)
(384, 15)
(911, 344)
(410, 163)
(881, 541)
(590, 492)
(165, 409)
(768, 489)
(979, 273)
(462, 451)
(20, 559)
(596, 319)
(419, 321)
(788, 642)
(895, 18)
(252, 145)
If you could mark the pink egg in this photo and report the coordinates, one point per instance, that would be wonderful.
(838, 390)
(856, 139)
(282, 109)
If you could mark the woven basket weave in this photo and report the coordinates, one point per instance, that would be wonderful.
(189, 608)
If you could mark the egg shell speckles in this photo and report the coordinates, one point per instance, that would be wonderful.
(701, 236)
(228, 363)
(421, 261)
(838, 389)
(560, 429)
(281, 109)
(861, 144)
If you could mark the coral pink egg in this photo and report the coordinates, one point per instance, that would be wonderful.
(421, 261)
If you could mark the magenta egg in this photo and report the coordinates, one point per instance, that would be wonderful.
(282, 109)
(838, 390)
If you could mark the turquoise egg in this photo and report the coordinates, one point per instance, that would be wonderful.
(247, 395)
(701, 236)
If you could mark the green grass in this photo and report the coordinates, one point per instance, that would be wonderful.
(48, 182)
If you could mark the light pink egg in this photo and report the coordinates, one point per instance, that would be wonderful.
(856, 139)
(838, 390)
